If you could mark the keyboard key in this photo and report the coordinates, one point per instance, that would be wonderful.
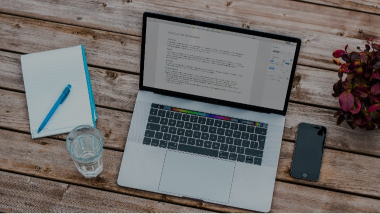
(188, 133)
(213, 137)
(169, 114)
(188, 125)
(237, 142)
(241, 158)
(172, 122)
(153, 119)
(180, 124)
(257, 161)
(185, 117)
(196, 127)
(229, 132)
(251, 129)
(223, 147)
(161, 113)
(207, 144)
(167, 136)
(154, 105)
(201, 120)
(244, 135)
(163, 143)
(246, 143)
(261, 139)
(193, 119)
(147, 140)
(234, 126)
(205, 136)
(183, 139)
(232, 148)
(233, 156)
(197, 134)
(253, 137)
(149, 133)
(218, 123)
(191, 141)
(223, 155)
(221, 139)
(261, 146)
(158, 135)
(180, 131)
(220, 131)
(198, 150)
(204, 128)
(253, 152)
(242, 127)
(212, 130)
(172, 130)
(155, 142)
(237, 134)
(164, 121)
(226, 124)
(240, 150)
(153, 126)
(215, 145)
(229, 140)
(177, 116)
(249, 159)
(199, 142)
(164, 128)
(210, 121)
(172, 145)
(254, 144)
(261, 131)
(175, 138)
(153, 111)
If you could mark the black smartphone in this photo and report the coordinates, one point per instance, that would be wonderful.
(308, 152)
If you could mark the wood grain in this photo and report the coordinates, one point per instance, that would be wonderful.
(20, 193)
(366, 6)
(119, 90)
(122, 52)
(112, 89)
(110, 15)
(22, 155)
(114, 125)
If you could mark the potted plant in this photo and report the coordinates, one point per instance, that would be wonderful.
(359, 92)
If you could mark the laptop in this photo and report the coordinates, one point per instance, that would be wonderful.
(209, 116)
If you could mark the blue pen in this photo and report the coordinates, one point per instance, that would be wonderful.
(60, 100)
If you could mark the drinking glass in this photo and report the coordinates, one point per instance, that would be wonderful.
(85, 145)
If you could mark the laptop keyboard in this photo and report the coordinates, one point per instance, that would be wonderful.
(206, 134)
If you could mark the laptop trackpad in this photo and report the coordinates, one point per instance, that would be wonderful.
(197, 177)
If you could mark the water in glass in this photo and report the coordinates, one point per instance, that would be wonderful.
(85, 145)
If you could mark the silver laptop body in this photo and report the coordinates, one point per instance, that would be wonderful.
(234, 168)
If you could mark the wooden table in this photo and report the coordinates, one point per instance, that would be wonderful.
(39, 175)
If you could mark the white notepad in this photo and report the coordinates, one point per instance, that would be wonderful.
(46, 75)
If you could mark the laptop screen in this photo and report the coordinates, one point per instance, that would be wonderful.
(218, 64)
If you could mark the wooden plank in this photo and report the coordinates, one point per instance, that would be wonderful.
(22, 155)
(114, 125)
(112, 89)
(366, 6)
(119, 90)
(20, 193)
(111, 15)
(121, 52)
(105, 49)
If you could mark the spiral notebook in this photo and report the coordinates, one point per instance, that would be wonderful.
(46, 74)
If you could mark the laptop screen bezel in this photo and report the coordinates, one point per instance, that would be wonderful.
(226, 28)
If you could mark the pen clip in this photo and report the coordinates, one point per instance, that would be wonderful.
(67, 91)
